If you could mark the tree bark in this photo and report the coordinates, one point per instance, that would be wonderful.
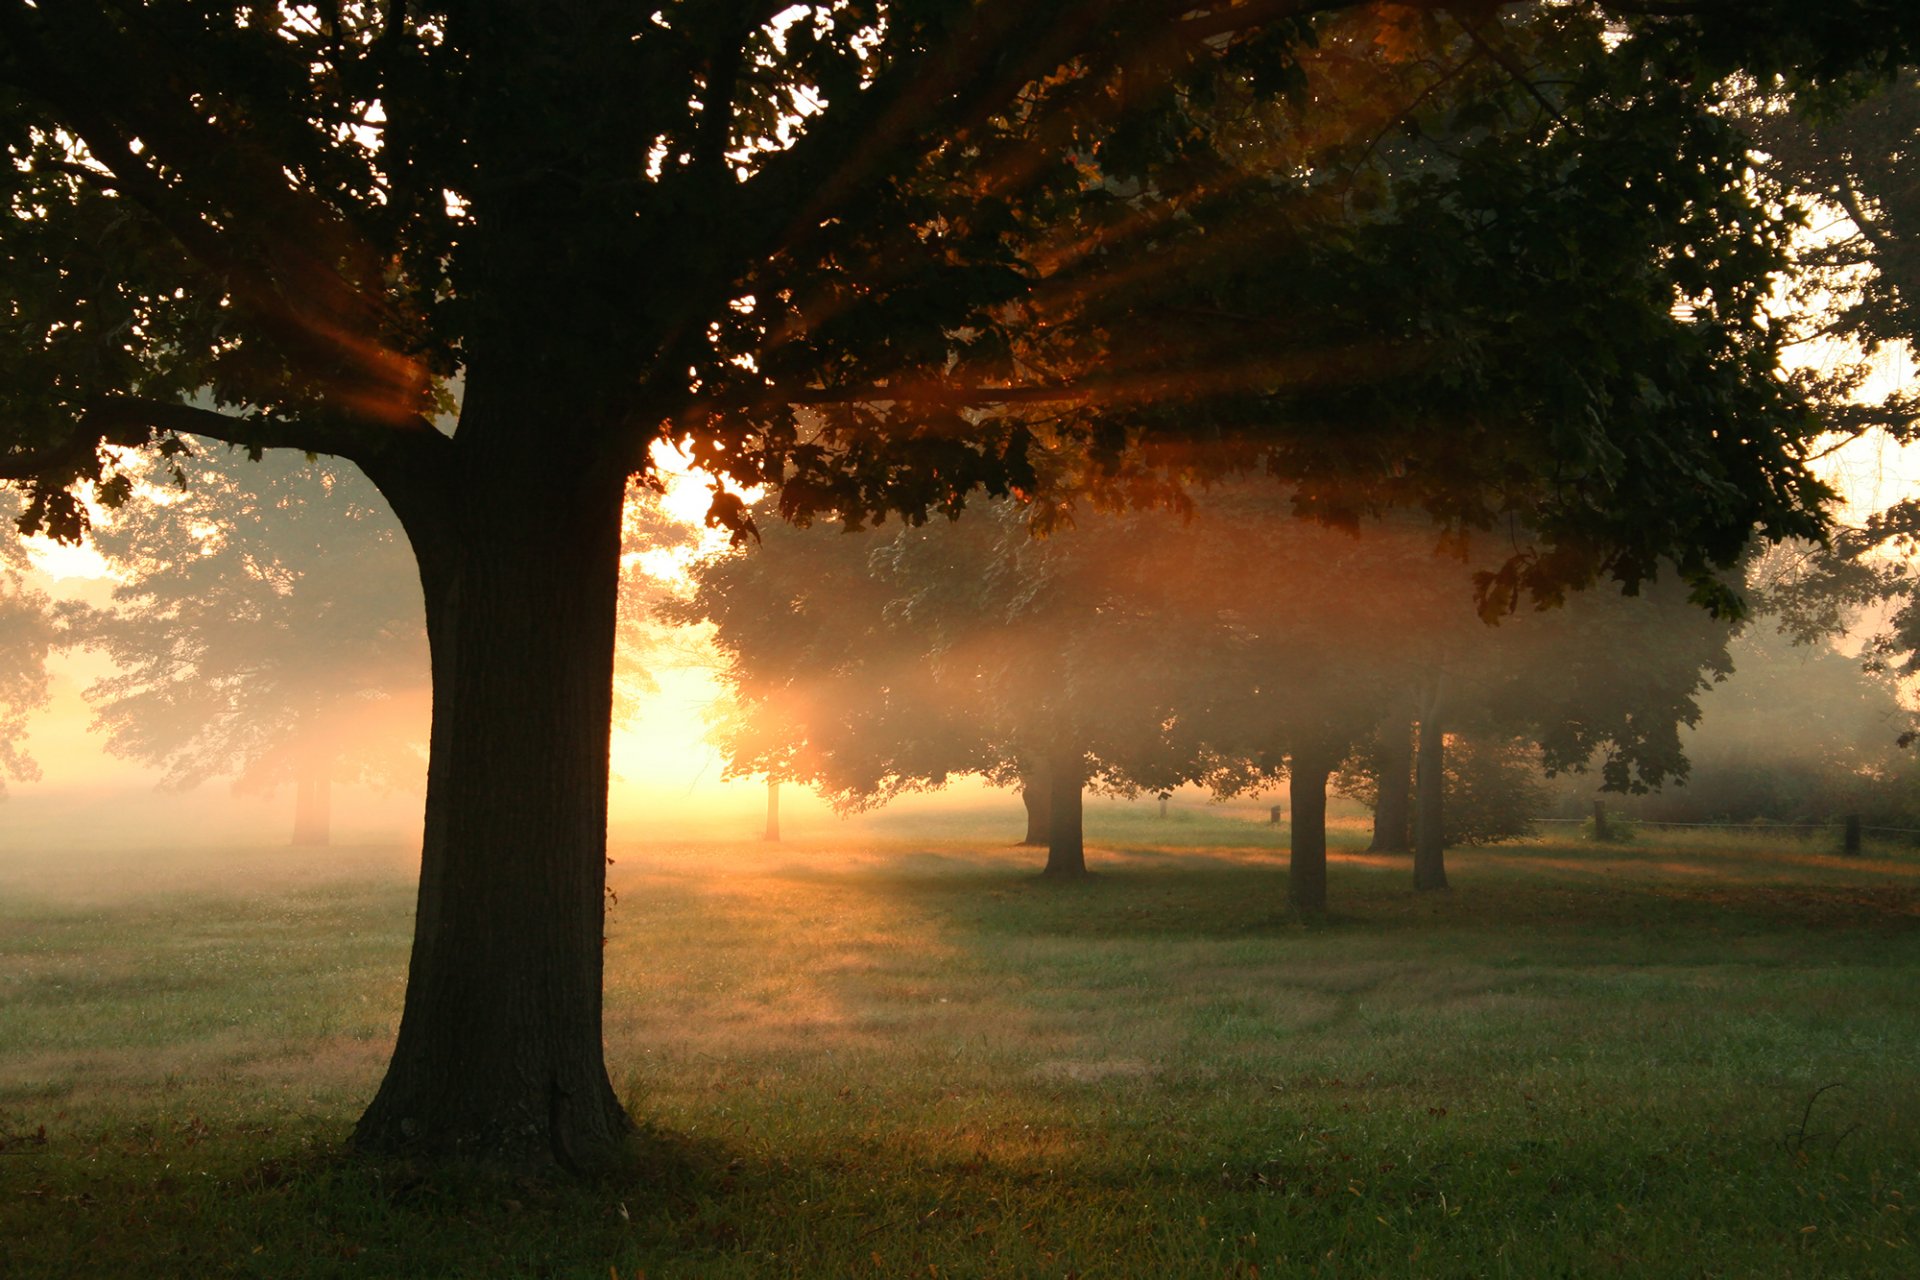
(313, 808)
(1037, 798)
(1066, 844)
(1393, 808)
(1429, 851)
(1307, 773)
(772, 832)
(499, 1056)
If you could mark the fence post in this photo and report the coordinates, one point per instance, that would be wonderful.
(1600, 831)
(1850, 841)
(1273, 816)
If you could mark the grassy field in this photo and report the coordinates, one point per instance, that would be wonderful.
(893, 1051)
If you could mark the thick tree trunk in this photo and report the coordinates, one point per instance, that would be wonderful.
(1066, 845)
(772, 832)
(1429, 853)
(499, 1056)
(1038, 800)
(1307, 773)
(313, 808)
(1393, 809)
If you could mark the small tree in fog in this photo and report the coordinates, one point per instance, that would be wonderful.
(267, 628)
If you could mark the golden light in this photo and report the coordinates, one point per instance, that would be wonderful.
(684, 501)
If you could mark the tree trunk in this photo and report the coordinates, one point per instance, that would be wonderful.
(1429, 853)
(499, 1056)
(1066, 845)
(1036, 796)
(772, 833)
(1393, 809)
(1307, 773)
(313, 808)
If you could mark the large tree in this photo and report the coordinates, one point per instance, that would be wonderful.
(952, 228)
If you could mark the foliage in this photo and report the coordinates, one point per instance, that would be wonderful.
(1200, 651)
(1609, 679)
(944, 231)
(266, 627)
(871, 665)
(1849, 153)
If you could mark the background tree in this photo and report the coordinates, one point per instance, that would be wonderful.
(1606, 680)
(1799, 734)
(1494, 788)
(27, 638)
(1847, 154)
(872, 665)
(998, 223)
(267, 628)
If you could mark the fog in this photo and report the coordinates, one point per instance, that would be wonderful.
(1189, 657)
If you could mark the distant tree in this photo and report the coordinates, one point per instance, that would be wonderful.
(1847, 153)
(873, 664)
(267, 628)
(1295, 640)
(1605, 681)
(27, 638)
(1494, 787)
(1799, 733)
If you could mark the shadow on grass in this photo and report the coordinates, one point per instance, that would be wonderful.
(1222, 893)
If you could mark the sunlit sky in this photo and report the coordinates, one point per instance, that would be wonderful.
(663, 768)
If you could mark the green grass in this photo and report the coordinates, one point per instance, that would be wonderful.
(894, 1051)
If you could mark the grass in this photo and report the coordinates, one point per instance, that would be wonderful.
(894, 1051)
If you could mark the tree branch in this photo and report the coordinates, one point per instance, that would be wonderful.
(1519, 73)
(277, 249)
(133, 420)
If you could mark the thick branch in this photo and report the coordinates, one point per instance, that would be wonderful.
(133, 420)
